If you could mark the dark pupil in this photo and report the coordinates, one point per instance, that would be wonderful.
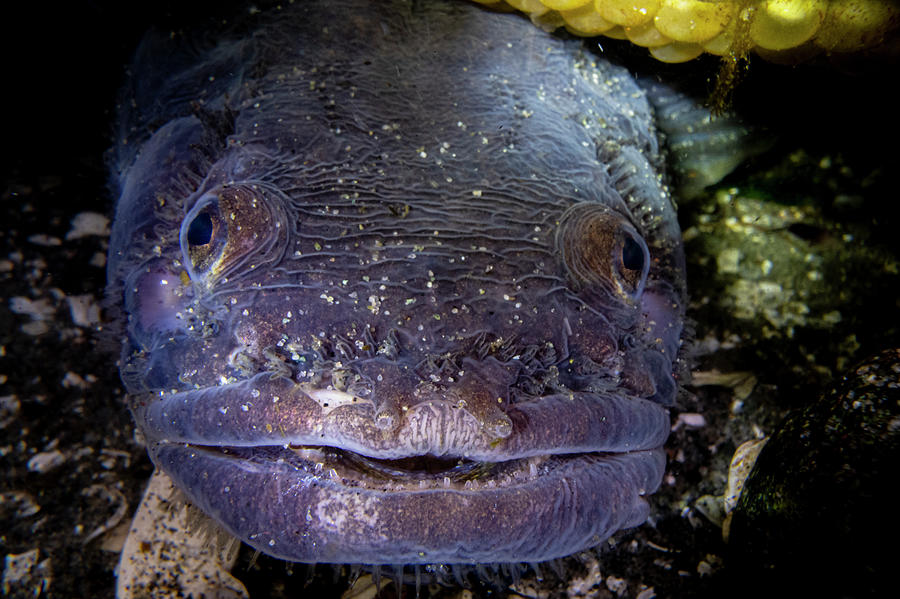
(200, 230)
(632, 255)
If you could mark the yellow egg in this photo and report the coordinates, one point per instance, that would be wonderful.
(616, 33)
(782, 24)
(720, 45)
(777, 30)
(693, 20)
(585, 21)
(676, 52)
(646, 35)
(853, 24)
(565, 4)
(627, 13)
(532, 7)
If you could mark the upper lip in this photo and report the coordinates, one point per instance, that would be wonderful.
(266, 411)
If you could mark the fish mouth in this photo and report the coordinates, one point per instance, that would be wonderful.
(332, 487)
(408, 472)
(415, 473)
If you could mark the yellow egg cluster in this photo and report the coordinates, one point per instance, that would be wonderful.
(679, 30)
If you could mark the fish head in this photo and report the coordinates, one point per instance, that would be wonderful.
(424, 341)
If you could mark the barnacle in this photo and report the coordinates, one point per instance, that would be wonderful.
(679, 30)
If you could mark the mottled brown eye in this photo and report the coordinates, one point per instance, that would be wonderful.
(204, 236)
(602, 251)
(233, 229)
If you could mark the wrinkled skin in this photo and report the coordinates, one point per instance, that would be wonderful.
(402, 285)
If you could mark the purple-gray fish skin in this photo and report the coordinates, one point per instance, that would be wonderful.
(402, 284)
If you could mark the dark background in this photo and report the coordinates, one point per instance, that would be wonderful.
(62, 64)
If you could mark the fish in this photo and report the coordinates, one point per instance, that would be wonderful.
(401, 283)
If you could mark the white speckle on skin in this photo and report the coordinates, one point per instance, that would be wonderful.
(334, 512)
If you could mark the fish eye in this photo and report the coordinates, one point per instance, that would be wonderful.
(231, 230)
(200, 230)
(631, 263)
(204, 236)
(632, 254)
(602, 252)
